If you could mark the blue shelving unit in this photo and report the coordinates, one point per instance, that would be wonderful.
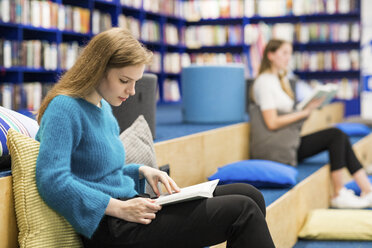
(352, 106)
(21, 32)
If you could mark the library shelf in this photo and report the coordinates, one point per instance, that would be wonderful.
(19, 32)
(323, 46)
(328, 74)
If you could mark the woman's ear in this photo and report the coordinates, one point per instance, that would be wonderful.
(270, 56)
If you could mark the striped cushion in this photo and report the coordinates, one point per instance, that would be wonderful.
(17, 121)
(38, 225)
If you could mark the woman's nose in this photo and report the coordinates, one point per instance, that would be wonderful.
(131, 90)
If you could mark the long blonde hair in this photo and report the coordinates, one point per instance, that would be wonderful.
(114, 48)
(271, 47)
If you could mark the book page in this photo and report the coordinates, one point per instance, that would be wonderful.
(198, 191)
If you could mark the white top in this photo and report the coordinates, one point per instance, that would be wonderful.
(268, 94)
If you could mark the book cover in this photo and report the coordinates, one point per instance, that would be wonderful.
(326, 91)
(198, 191)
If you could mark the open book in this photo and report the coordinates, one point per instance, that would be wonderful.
(326, 91)
(198, 191)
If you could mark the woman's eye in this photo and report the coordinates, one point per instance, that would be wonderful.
(124, 81)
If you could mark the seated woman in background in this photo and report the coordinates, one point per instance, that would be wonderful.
(80, 171)
(276, 129)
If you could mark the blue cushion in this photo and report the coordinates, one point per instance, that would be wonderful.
(17, 121)
(259, 173)
(354, 129)
(352, 185)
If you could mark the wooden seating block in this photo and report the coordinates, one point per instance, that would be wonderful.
(8, 225)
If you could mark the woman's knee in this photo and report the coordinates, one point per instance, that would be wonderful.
(245, 190)
(337, 133)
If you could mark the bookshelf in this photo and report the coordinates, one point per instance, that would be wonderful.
(345, 16)
(69, 25)
(165, 27)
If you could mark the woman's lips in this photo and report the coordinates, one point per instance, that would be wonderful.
(123, 99)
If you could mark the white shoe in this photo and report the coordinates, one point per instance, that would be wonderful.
(347, 199)
(368, 197)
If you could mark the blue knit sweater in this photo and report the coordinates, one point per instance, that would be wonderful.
(81, 162)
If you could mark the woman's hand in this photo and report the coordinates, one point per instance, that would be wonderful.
(153, 176)
(139, 210)
(314, 104)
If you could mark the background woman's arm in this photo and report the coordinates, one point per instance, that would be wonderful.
(274, 121)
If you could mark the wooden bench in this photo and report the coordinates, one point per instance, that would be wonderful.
(194, 157)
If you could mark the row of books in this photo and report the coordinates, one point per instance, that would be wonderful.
(101, 21)
(45, 14)
(216, 35)
(171, 90)
(26, 96)
(166, 7)
(38, 54)
(150, 31)
(170, 34)
(303, 32)
(132, 3)
(326, 61)
(173, 62)
(216, 58)
(332, 32)
(347, 89)
(206, 9)
(220, 35)
(213, 9)
(155, 65)
(131, 23)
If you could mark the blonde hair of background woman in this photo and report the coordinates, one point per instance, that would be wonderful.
(114, 48)
(265, 66)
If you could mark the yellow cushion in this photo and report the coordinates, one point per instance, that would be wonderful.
(39, 226)
(338, 224)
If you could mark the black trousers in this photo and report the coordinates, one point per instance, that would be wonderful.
(334, 141)
(236, 213)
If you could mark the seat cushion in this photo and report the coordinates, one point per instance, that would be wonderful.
(354, 129)
(259, 173)
(39, 225)
(338, 224)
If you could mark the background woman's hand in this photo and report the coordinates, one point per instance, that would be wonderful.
(153, 176)
(314, 104)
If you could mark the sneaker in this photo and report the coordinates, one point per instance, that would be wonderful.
(347, 199)
(368, 197)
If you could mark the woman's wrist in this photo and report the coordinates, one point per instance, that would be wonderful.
(113, 207)
(141, 171)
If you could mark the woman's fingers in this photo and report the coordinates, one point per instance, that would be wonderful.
(144, 221)
(165, 180)
(173, 184)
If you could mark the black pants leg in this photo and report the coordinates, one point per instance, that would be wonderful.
(235, 214)
(338, 145)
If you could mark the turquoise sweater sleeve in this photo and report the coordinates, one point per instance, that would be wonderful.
(132, 171)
